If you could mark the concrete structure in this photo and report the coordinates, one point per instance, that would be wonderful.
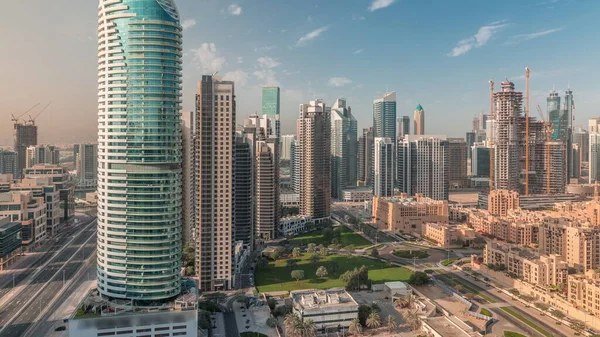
(139, 150)
(215, 101)
(584, 291)
(188, 168)
(286, 146)
(267, 188)
(8, 163)
(244, 186)
(289, 199)
(594, 151)
(423, 166)
(58, 177)
(331, 309)
(403, 127)
(86, 164)
(449, 235)
(293, 225)
(501, 201)
(365, 155)
(358, 194)
(30, 211)
(24, 136)
(344, 151)
(96, 317)
(582, 138)
(567, 130)
(10, 241)
(470, 140)
(384, 116)
(408, 215)
(41, 154)
(397, 289)
(532, 202)
(383, 167)
(555, 167)
(314, 139)
(419, 120)
(457, 163)
(271, 106)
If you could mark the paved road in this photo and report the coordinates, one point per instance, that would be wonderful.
(46, 285)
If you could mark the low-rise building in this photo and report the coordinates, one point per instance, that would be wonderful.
(10, 241)
(44, 187)
(293, 225)
(408, 215)
(583, 291)
(329, 309)
(358, 194)
(397, 289)
(30, 211)
(449, 235)
(289, 199)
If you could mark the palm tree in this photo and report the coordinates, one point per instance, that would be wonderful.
(290, 323)
(413, 320)
(373, 321)
(391, 323)
(310, 329)
(355, 327)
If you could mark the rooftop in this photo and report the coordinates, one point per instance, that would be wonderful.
(311, 299)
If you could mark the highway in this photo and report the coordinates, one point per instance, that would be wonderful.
(22, 311)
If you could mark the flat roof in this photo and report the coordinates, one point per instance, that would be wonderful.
(312, 298)
(396, 285)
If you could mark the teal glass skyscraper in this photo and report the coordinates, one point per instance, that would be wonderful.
(384, 116)
(271, 106)
(139, 150)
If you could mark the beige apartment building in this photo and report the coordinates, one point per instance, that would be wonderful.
(49, 192)
(408, 215)
(449, 235)
(501, 201)
(267, 188)
(584, 291)
(30, 211)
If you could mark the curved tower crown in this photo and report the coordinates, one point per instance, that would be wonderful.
(139, 149)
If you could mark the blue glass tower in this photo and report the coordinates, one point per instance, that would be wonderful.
(139, 150)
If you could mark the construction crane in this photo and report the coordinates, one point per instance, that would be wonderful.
(491, 134)
(32, 119)
(549, 130)
(16, 119)
(527, 72)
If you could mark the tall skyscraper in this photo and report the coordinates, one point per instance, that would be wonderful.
(470, 140)
(480, 161)
(244, 186)
(86, 164)
(475, 124)
(271, 106)
(423, 166)
(314, 139)
(383, 182)
(295, 166)
(568, 132)
(8, 163)
(483, 121)
(384, 116)
(419, 120)
(42, 154)
(344, 152)
(24, 136)
(556, 117)
(267, 188)
(286, 147)
(457, 163)
(582, 138)
(139, 145)
(215, 101)
(365, 154)
(594, 148)
(188, 166)
(403, 128)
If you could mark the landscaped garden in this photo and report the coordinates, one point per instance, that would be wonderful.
(410, 254)
(321, 236)
(513, 334)
(277, 275)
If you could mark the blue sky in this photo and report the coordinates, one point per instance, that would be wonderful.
(435, 52)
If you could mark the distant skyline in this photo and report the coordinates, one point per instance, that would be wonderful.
(429, 52)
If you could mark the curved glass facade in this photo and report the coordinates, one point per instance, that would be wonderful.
(139, 149)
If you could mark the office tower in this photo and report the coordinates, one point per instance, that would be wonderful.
(470, 140)
(423, 166)
(271, 106)
(555, 115)
(384, 116)
(483, 121)
(8, 163)
(244, 180)
(419, 120)
(594, 148)
(42, 154)
(457, 162)
(139, 150)
(344, 152)
(24, 136)
(365, 153)
(286, 147)
(576, 162)
(215, 101)
(267, 188)
(295, 165)
(568, 113)
(86, 164)
(188, 167)
(314, 139)
(383, 167)
(475, 124)
(75, 151)
(480, 160)
(582, 138)
(403, 127)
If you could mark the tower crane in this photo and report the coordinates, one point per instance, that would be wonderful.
(491, 134)
(549, 130)
(32, 119)
(16, 119)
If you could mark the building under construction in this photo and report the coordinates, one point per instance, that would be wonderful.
(516, 166)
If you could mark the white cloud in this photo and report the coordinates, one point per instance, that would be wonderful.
(379, 4)
(206, 58)
(525, 37)
(484, 34)
(356, 52)
(187, 24)
(240, 77)
(240, 59)
(267, 62)
(265, 71)
(339, 81)
(356, 17)
(234, 10)
(264, 49)
(311, 36)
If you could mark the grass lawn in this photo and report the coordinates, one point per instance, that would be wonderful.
(513, 334)
(448, 262)
(526, 321)
(347, 238)
(409, 254)
(277, 276)
(485, 312)
(428, 265)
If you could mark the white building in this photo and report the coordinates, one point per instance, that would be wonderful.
(286, 146)
(594, 146)
(397, 289)
(293, 225)
(289, 199)
(330, 308)
(358, 194)
(383, 167)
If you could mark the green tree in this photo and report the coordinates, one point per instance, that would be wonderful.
(311, 248)
(418, 278)
(373, 321)
(189, 270)
(291, 263)
(296, 252)
(355, 327)
(413, 320)
(558, 314)
(363, 313)
(323, 251)
(391, 323)
(272, 303)
(290, 323)
(333, 267)
(321, 271)
(374, 253)
(315, 259)
(271, 322)
(297, 274)
(578, 326)
(327, 234)
(276, 254)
